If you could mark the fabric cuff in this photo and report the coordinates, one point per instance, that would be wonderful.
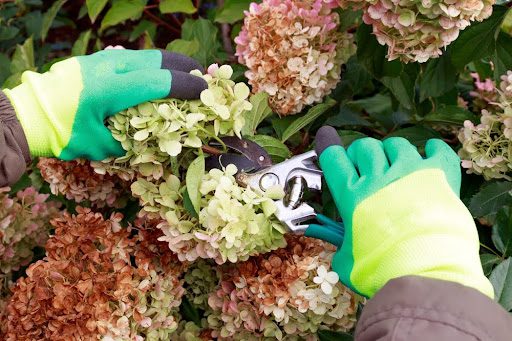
(415, 298)
(14, 150)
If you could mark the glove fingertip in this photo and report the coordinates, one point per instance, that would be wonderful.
(179, 62)
(186, 86)
(325, 137)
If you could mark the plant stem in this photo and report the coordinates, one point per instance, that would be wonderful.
(211, 150)
(226, 32)
(489, 249)
(158, 20)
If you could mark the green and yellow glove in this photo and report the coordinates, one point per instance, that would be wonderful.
(62, 111)
(402, 213)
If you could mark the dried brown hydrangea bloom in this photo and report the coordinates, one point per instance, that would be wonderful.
(78, 181)
(97, 281)
(282, 295)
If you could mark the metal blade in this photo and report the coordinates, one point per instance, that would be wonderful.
(251, 150)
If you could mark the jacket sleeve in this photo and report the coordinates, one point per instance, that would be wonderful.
(420, 309)
(14, 152)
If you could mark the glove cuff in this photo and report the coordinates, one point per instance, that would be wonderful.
(38, 129)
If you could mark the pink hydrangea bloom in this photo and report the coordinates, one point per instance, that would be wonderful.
(293, 50)
(24, 224)
(486, 146)
(418, 30)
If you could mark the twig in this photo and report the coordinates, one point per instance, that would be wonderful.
(161, 22)
(175, 20)
(226, 32)
(211, 150)
(303, 144)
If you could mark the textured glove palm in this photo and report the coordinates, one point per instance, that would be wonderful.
(402, 213)
(62, 111)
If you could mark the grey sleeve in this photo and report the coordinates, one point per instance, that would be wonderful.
(421, 309)
(14, 152)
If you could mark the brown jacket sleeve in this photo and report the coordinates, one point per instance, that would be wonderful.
(14, 152)
(420, 309)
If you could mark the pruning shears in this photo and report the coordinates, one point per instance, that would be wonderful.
(294, 176)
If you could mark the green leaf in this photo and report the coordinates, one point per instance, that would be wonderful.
(491, 197)
(49, 16)
(21, 184)
(23, 58)
(502, 232)
(327, 335)
(5, 67)
(193, 179)
(372, 55)
(205, 33)
(189, 311)
(488, 261)
(449, 114)
(81, 44)
(349, 136)
(378, 104)
(94, 8)
(478, 40)
(347, 117)
(310, 117)
(8, 32)
(177, 6)
(277, 150)
(33, 24)
(148, 41)
(502, 58)
(349, 19)
(12, 81)
(402, 88)
(501, 279)
(260, 111)
(439, 77)
(186, 47)
(122, 10)
(355, 77)
(417, 135)
(143, 26)
(280, 124)
(187, 204)
(232, 11)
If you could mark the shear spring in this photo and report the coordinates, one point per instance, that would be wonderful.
(294, 192)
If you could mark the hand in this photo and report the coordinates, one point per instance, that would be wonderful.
(402, 213)
(62, 111)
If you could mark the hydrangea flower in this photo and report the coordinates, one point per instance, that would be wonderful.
(24, 225)
(201, 279)
(326, 279)
(189, 331)
(234, 222)
(153, 133)
(293, 50)
(277, 296)
(420, 29)
(484, 95)
(98, 283)
(78, 181)
(486, 147)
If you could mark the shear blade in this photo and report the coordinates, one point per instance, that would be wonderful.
(251, 150)
(242, 163)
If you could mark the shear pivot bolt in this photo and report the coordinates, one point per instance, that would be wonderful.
(268, 180)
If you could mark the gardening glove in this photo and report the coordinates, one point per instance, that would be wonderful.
(62, 111)
(402, 213)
